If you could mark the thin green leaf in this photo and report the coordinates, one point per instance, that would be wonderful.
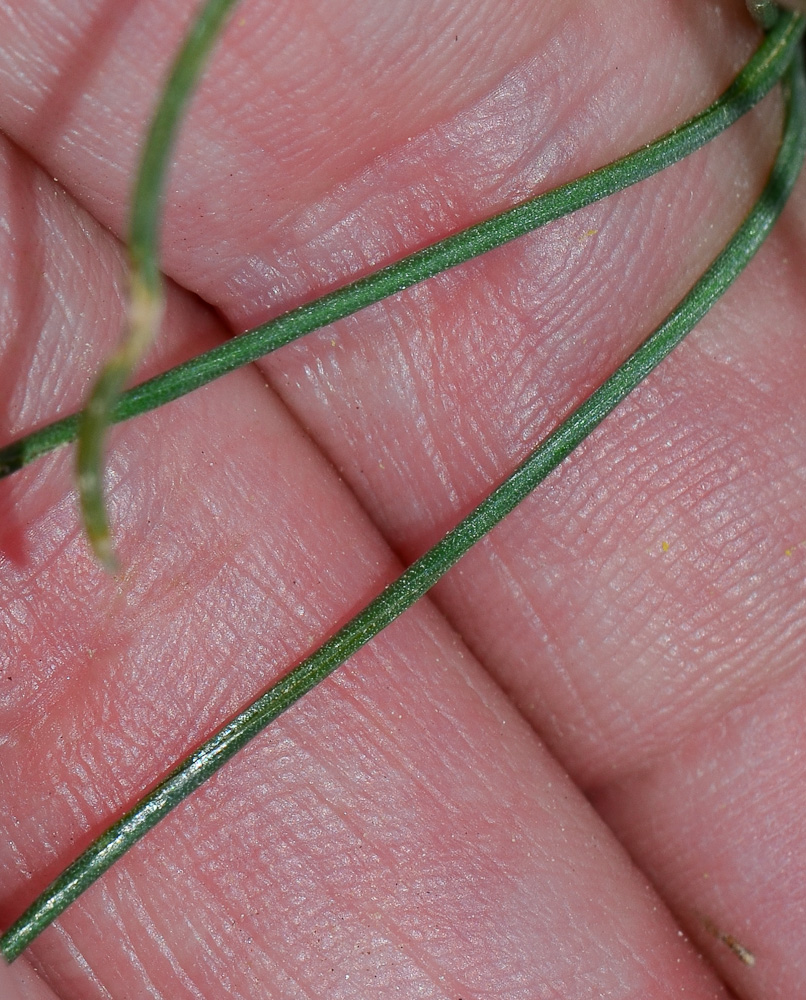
(145, 286)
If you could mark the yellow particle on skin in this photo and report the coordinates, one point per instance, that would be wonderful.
(664, 546)
(743, 954)
(739, 950)
(787, 552)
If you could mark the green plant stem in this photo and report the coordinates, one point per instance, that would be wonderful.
(755, 80)
(424, 573)
(765, 12)
(187, 68)
(146, 299)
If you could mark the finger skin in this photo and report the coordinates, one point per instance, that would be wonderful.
(8, 987)
(401, 830)
(20, 982)
(748, 763)
(654, 587)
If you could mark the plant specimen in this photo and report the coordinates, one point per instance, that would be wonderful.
(751, 234)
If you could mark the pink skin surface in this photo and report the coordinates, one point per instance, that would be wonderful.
(591, 736)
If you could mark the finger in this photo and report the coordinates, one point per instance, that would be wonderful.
(20, 982)
(402, 828)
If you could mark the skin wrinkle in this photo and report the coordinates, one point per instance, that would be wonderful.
(337, 893)
(147, 917)
(252, 37)
(769, 846)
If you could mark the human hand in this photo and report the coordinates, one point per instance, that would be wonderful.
(403, 830)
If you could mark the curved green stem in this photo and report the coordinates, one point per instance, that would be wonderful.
(423, 574)
(145, 291)
(755, 80)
